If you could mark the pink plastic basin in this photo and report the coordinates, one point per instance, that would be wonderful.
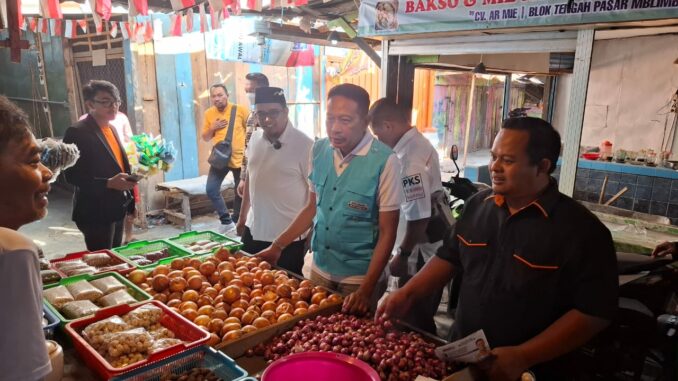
(319, 366)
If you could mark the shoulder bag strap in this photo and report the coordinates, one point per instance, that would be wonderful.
(231, 123)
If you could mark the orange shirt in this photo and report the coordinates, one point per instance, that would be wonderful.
(114, 146)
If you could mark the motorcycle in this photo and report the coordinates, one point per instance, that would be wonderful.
(642, 342)
(459, 189)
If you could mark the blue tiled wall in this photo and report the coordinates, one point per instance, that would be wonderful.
(646, 194)
(651, 190)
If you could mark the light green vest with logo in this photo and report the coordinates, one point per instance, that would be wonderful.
(347, 209)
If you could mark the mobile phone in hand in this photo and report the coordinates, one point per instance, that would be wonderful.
(134, 178)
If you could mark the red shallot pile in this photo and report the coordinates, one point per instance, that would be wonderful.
(395, 355)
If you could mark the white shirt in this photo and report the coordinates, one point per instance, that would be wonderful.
(278, 187)
(389, 198)
(419, 172)
(420, 177)
(390, 193)
(22, 347)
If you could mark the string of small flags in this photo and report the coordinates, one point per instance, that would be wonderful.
(53, 23)
(71, 28)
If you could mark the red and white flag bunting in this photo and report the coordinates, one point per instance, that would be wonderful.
(175, 25)
(50, 9)
(71, 29)
(254, 5)
(55, 27)
(83, 25)
(98, 23)
(214, 17)
(44, 26)
(124, 30)
(138, 7)
(114, 29)
(203, 18)
(189, 20)
(33, 24)
(178, 5)
(148, 31)
(139, 32)
(104, 9)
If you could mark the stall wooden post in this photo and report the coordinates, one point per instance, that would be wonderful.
(575, 115)
(469, 115)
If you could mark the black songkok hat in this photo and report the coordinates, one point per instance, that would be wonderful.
(269, 95)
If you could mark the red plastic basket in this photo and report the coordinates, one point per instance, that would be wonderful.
(76, 256)
(182, 328)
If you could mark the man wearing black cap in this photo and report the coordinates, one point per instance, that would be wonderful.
(276, 186)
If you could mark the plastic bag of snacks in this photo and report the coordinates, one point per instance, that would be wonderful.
(159, 332)
(125, 360)
(96, 260)
(96, 333)
(63, 266)
(122, 266)
(76, 267)
(160, 344)
(116, 298)
(132, 341)
(78, 309)
(83, 290)
(58, 296)
(44, 264)
(81, 270)
(144, 316)
(108, 285)
(49, 276)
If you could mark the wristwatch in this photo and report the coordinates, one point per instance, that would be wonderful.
(404, 253)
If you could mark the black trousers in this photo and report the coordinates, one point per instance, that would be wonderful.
(292, 258)
(423, 310)
(102, 236)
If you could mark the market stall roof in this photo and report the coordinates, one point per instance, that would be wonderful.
(310, 23)
(317, 9)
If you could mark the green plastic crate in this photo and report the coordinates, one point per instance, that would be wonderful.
(137, 293)
(144, 247)
(184, 239)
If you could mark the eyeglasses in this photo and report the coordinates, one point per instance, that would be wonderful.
(261, 115)
(107, 103)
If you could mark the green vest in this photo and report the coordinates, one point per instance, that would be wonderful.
(346, 224)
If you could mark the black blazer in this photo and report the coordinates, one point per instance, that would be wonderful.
(93, 202)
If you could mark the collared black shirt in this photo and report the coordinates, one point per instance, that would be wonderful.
(522, 272)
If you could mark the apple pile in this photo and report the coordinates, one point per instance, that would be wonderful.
(231, 295)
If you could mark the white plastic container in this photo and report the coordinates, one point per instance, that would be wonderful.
(56, 357)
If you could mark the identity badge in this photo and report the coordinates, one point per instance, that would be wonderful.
(358, 206)
(413, 187)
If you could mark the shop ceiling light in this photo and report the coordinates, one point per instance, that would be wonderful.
(333, 38)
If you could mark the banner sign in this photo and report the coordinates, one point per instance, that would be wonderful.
(393, 17)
